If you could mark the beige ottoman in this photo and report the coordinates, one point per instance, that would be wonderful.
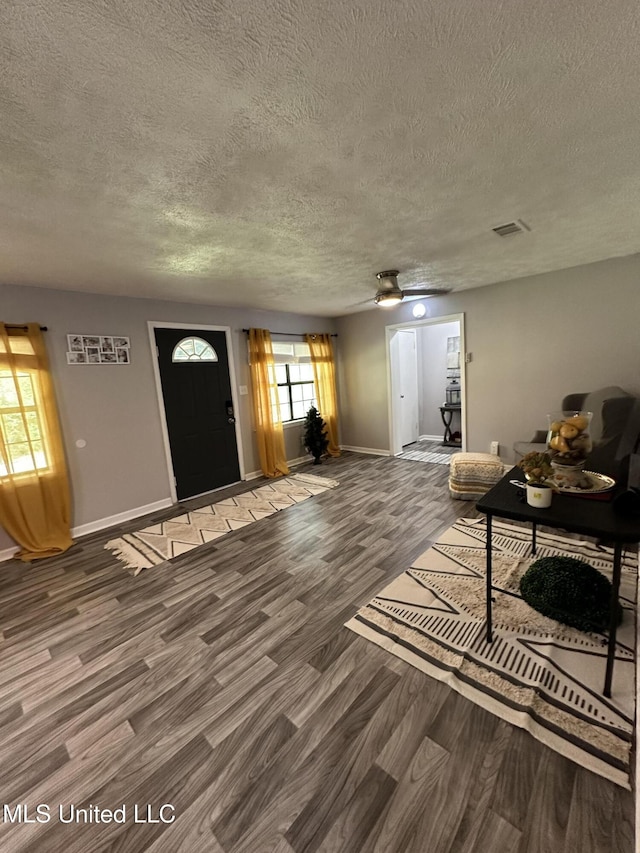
(473, 474)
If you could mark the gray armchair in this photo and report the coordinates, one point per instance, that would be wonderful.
(615, 428)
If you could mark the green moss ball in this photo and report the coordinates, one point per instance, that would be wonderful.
(570, 591)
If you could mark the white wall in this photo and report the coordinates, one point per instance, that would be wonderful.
(533, 340)
(432, 374)
(115, 408)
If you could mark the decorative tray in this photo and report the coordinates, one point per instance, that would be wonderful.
(599, 483)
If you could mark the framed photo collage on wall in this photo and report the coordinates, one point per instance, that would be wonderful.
(98, 349)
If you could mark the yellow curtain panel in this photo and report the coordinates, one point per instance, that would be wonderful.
(266, 411)
(34, 486)
(324, 372)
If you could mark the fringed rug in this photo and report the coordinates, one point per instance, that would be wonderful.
(536, 674)
(175, 536)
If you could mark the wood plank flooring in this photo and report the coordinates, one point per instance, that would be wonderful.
(225, 685)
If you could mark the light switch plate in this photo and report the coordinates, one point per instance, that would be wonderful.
(243, 389)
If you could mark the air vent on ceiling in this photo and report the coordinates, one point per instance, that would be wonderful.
(511, 228)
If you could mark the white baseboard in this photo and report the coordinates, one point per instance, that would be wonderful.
(430, 437)
(8, 553)
(102, 523)
(127, 515)
(372, 451)
(293, 462)
(253, 475)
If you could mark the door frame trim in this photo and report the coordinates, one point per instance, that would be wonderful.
(390, 332)
(152, 325)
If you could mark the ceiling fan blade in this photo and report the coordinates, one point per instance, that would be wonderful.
(369, 301)
(426, 291)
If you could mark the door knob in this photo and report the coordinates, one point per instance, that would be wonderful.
(231, 420)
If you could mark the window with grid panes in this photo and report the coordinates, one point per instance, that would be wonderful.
(294, 375)
(20, 425)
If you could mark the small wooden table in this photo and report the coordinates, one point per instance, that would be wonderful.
(446, 413)
(590, 517)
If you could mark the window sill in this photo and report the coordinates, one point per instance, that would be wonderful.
(22, 477)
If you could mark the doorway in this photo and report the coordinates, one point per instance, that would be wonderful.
(434, 339)
(404, 364)
(194, 373)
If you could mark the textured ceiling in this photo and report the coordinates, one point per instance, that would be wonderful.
(279, 154)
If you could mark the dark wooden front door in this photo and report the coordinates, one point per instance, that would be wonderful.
(199, 412)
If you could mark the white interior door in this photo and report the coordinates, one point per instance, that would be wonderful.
(408, 386)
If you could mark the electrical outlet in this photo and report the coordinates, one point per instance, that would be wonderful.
(495, 448)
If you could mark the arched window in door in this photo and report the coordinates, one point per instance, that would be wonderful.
(193, 349)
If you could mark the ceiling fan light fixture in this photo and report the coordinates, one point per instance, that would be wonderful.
(389, 293)
(389, 298)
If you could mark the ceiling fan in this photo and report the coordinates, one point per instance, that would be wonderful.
(390, 293)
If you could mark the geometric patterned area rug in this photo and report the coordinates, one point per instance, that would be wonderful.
(175, 536)
(536, 674)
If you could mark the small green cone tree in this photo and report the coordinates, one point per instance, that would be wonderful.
(315, 435)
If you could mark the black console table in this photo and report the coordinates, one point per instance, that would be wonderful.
(446, 413)
(593, 518)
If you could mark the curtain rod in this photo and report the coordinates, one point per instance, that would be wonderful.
(294, 334)
(19, 326)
